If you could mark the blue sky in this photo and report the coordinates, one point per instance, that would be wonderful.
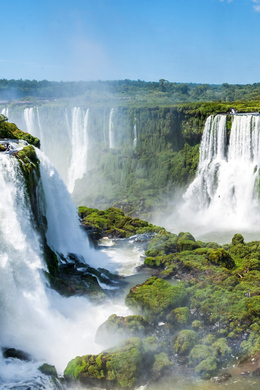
(200, 41)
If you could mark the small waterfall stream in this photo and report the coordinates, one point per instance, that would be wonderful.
(111, 135)
(79, 144)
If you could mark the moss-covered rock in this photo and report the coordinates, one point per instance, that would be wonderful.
(222, 257)
(203, 359)
(124, 366)
(117, 328)
(161, 365)
(207, 368)
(238, 239)
(114, 223)
(155, 298)
(11, 131)
(179, 316)
(48, 369)
(185, 341)
(186, 242)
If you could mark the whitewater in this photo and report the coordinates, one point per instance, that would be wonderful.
(223, 198)
(34, 318)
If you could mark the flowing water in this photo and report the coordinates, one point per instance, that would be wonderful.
(79, 142)
(223, 199)
(111, 135)
(35, 318)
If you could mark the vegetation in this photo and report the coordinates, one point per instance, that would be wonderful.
(119, 328)
(114, 223)
(11, 131)
(155, 298)
(163, 91)
(128, 364)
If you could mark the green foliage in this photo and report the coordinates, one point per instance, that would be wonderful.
(119, 365)
(161, 363)
(222, 257)
(185, 341)
(113, 221)
(11, 131)
(155, 298)
(47, 369)
(179, 316)
(119, 328)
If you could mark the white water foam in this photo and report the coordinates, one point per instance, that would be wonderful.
(224, 195)
(34, 318)
(79, 143)
(29, 120)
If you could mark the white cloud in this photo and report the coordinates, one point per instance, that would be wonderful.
(257, 6)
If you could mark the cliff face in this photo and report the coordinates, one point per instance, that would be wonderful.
(132, 156)
(156, 152)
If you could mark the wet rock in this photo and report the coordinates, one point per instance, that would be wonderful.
(16, 353)
(222, 378)
(256, 372)
(49, 370)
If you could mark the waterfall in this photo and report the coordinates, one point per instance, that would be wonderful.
(40, 136)
(64, 234)
(79, 144)
(111, 134)
(35, 318)
(5, 111)
(225, 192)
(135, 135)
(29, 119)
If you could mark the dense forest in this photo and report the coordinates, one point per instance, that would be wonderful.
(133, 92)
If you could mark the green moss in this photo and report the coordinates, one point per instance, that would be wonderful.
(207, 368)
(47, 369)
(185, 341)
(197, 324)
(221, 347)
(11, 131)
(113, 221)
(179, 316)
(155, 298)
(161, 363)
(151, 345)
(222, 257)
(119, 328)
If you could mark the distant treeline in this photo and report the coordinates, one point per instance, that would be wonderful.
(161, 92)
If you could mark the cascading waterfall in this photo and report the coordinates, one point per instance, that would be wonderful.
(225, 192)
(79, 142)
(135, 135)
(29, 120)
(5, 111)
(39, 123)
(111, 134)
(35, 318)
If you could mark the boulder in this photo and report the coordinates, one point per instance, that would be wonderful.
(155, 298)
(117, 328)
